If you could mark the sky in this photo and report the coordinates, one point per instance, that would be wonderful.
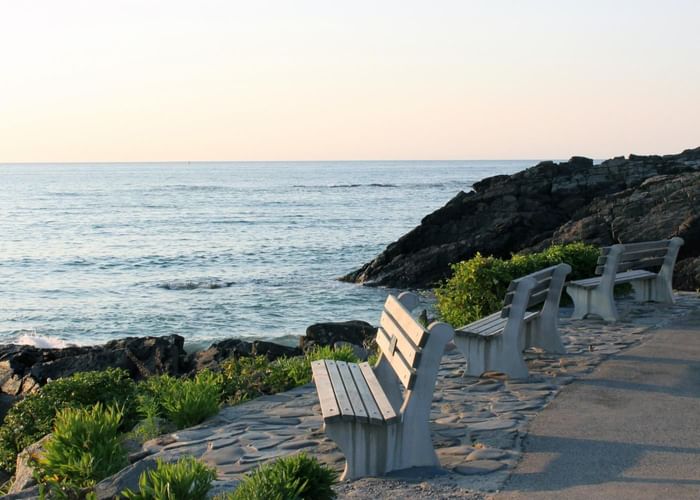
(175, 80)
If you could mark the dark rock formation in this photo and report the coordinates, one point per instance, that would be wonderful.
(219, 351)
(620, 200)
(24, 369)
(353, 332)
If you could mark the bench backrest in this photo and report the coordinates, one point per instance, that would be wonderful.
(547, 291)
(649, 255)
(401, 339)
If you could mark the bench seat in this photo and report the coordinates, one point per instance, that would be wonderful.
(380, 416)
(351, 391)
(528, 318)
(492, 325)
(620, 278)
(629, 263)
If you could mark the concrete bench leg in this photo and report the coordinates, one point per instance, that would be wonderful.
(368, 449)
(592, 301)
(653, 290)
(491, 355)
(542, 332)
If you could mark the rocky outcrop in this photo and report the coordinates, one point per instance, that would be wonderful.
(619, 200)
(358, 333)
(212, 357)
(24, 369)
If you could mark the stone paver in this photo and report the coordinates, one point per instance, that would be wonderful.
(478, 423)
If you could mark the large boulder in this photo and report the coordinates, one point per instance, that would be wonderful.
(212, 357)
(353, 332)
(506, 214)
(24, 369)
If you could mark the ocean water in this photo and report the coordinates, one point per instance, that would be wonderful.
(94, 252)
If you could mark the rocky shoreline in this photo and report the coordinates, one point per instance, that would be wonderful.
(620, 200)
(24, 368)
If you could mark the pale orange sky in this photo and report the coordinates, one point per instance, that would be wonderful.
(147, 80)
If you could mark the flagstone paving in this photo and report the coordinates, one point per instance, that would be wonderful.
(478, 424)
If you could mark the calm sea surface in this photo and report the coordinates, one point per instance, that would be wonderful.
(90, 253)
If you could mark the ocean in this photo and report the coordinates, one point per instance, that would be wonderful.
(206, 250)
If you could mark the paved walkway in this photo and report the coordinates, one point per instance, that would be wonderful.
(630, 429)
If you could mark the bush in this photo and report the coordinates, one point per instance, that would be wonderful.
(32, 418)
(251, 377)
(297, 477)
(186, 479)
(478, 285)
(184, 402)
(84, 448)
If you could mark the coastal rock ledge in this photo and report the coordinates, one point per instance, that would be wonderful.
(620, 200)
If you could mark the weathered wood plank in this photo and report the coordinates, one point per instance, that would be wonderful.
(352, 391)
(380, 398)
(412, 328)
(373, 413)
(405, 373)
(346, 411)
(329, 406)
(643, 245)
(403, 342)
(542, 285)
(648, 263)
(644, 254)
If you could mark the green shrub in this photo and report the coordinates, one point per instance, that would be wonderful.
(298, 477)
(84, 448)
(186, 479)
(184, 402)
(32, 418)
(251, 377)
(478, 285)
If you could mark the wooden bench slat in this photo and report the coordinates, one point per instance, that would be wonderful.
(487, 319)
(541, 285)
(412, 328)
(539, 276)
(649, 263)
(644, 254)
(373, 413)
(403, 342)
(405, 372)
(644, 245)
(477, 327)
(346, 411)
(380, 398)
(324, 388)
(352, 391)
(620, 278)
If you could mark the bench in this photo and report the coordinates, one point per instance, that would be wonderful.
(496, 342)
(628, 263)
(379, 417)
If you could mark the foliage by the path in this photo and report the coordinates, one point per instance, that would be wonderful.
(84, 448)
(252, 377)
(32, 418)
(478, 285)
(298, 477)
(186, 479)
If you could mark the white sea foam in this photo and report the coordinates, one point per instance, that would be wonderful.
(41, 341)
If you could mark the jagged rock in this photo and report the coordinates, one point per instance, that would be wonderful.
(24, 473)
(354, 332)
(126, 478)
(219, 351)
(23, 369)
(506, 214)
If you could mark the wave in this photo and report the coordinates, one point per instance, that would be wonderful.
(30, 337)
(207, 283)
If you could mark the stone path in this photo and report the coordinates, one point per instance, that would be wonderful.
(478, 423)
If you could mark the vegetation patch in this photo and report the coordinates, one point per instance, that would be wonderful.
(33, 417)
(298, 477)
(252, 377)
(84, 448)
(478, 285)
(186, 479)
